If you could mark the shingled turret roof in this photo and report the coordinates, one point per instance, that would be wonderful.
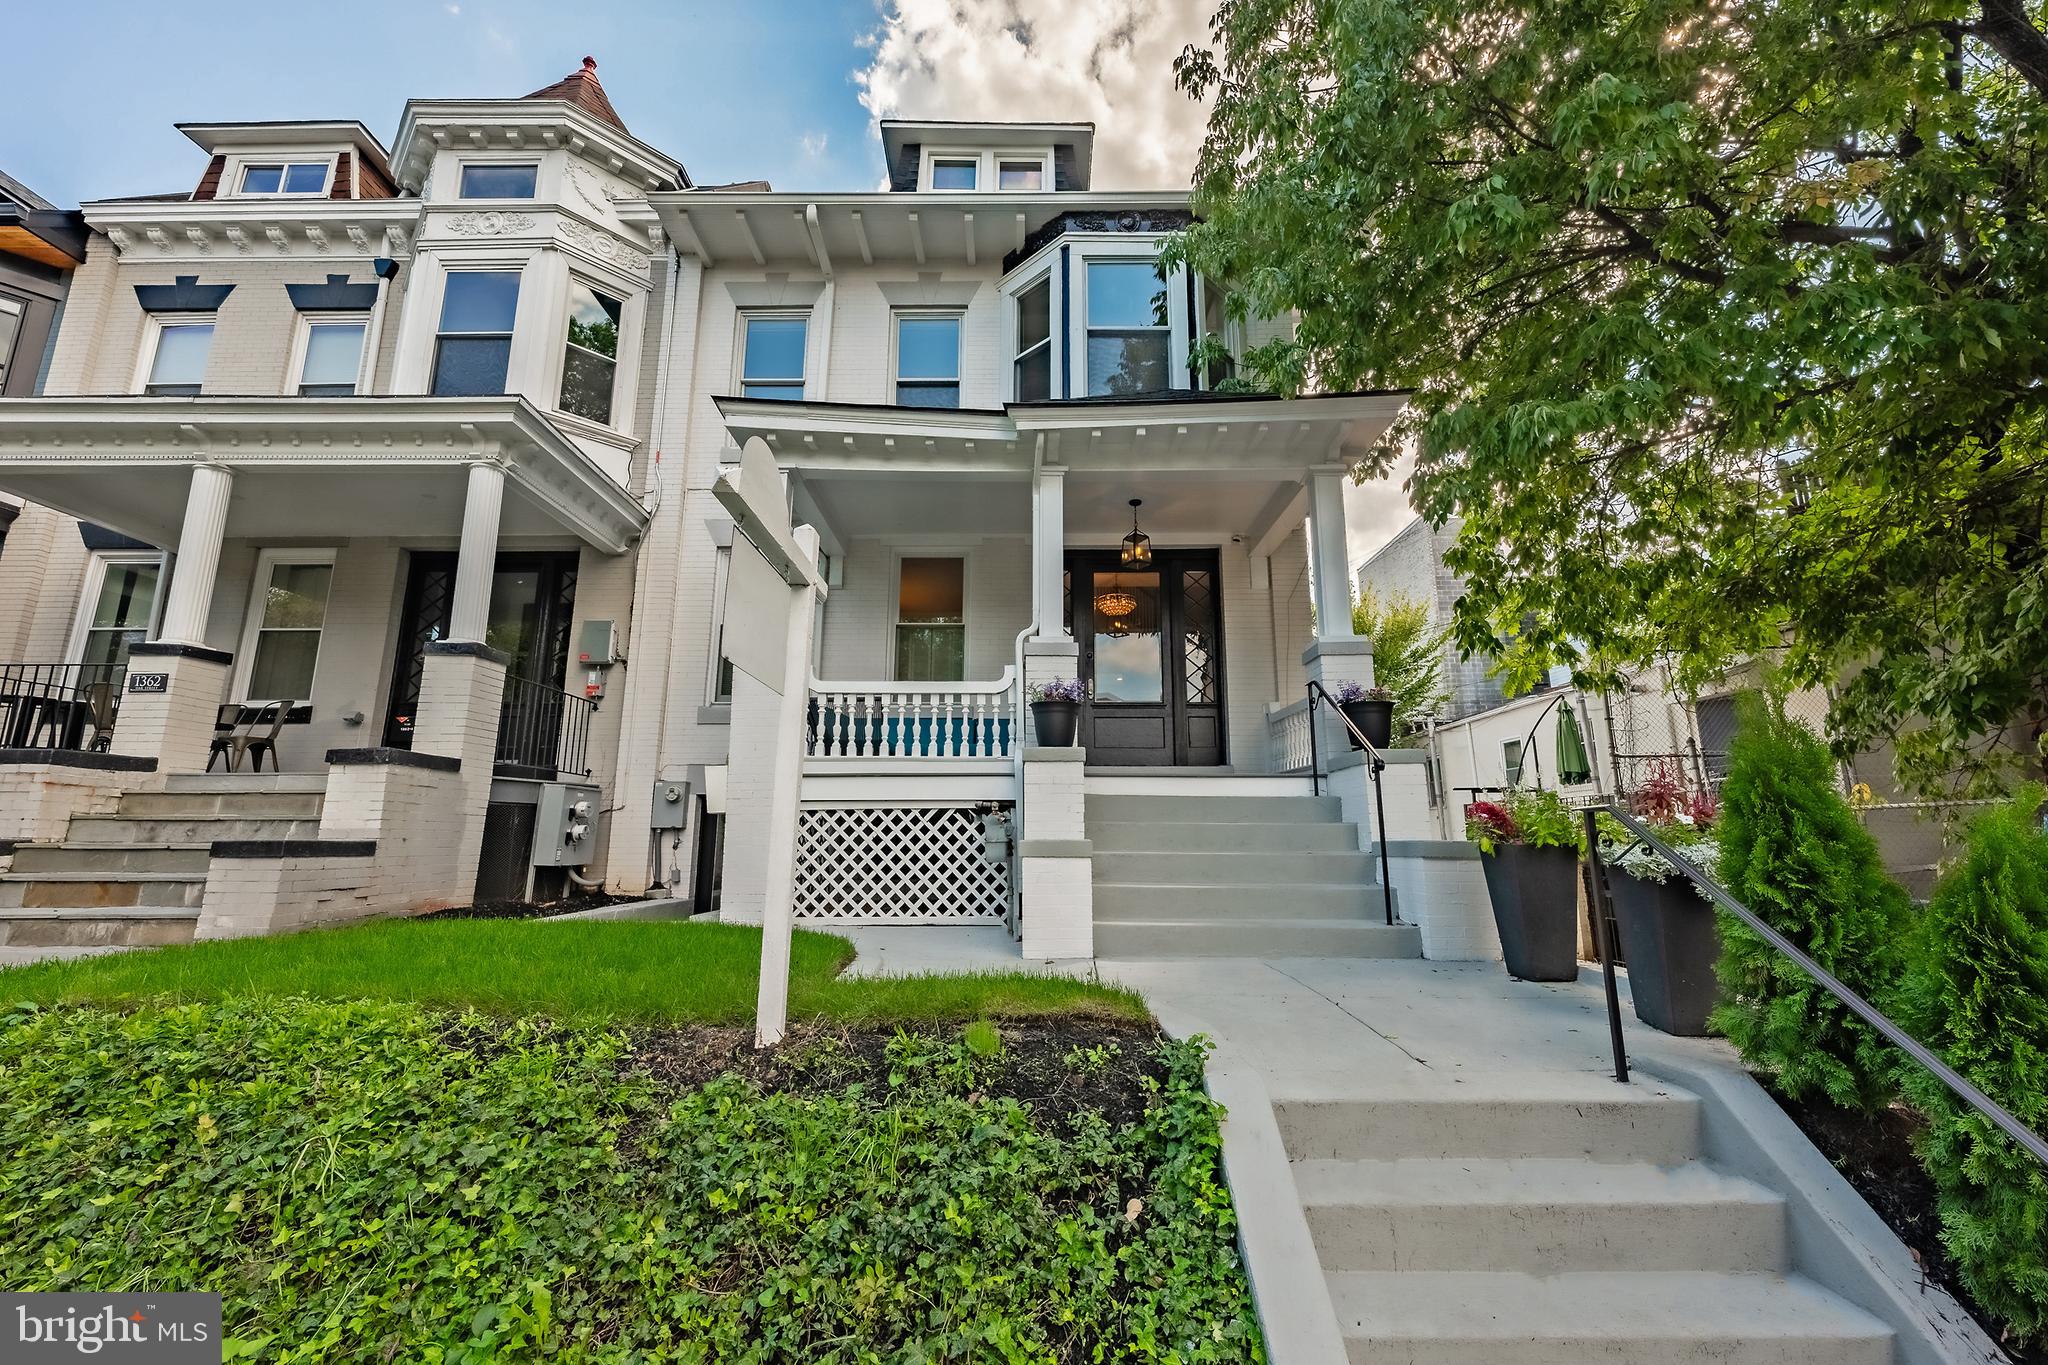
(581, 89)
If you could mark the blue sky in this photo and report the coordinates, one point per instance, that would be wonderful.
(735, 91)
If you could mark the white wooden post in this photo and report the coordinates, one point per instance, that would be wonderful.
(778, 918)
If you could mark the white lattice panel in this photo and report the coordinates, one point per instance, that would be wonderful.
(896, 864)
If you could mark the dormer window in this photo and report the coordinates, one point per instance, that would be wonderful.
(490, 180)
(1013, 174)
(284, 177)
(952, 174)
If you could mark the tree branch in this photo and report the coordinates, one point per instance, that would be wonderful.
(2006, 28)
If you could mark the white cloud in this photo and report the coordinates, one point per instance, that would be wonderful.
(1110, 61)
(453, 9)
(813, 144)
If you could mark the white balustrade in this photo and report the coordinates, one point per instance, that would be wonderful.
(1287, 729)
(932, 720)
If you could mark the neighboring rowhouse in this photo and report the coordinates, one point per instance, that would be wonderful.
(40, 245)
(337, 464)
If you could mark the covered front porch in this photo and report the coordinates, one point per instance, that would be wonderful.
(395, 583)
(970, 556)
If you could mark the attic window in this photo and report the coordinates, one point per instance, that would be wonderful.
(286, 177)
(950, 173)
(1020, 175)
(484, 180)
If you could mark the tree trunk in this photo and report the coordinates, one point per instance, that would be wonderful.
(2005, 27)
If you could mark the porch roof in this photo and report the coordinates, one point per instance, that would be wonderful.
(309, 467)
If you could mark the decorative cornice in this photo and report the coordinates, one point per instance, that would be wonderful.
(489, 223)
(195, 230)
(607, 247)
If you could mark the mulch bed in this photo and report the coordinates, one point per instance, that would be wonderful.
(581, 900)
(825, 1059)
(1874, 1153)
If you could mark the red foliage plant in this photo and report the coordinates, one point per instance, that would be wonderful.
(1491, 819)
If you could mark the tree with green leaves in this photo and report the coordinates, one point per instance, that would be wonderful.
(1793, 851)
(1725, 323)
(1407, 654)
(1977, 993)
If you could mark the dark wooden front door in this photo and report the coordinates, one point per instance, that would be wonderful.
(533, 597)
(1152, 653)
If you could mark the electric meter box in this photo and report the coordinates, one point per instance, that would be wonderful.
(598, 646)
(671, 807)
(565, 825)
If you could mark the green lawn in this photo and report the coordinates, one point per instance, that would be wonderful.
(607, 970)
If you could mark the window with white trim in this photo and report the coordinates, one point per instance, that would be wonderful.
(117, 608)
(306, 178)
(928, 359)
(955, 172)
(177, 365)
(287, 616)
(330, 347)
(931, 619)
(1129, 328)
(473, 348)
(498, 180)
(718, 688)
(1026, 173)
(1217, 322)
(1032, 376)
(590, 354)
(772, 354)
(1511, 762)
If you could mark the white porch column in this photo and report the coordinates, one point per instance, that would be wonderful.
(1048, 550)
(476, 562)
(206, 520)
(1332, 550)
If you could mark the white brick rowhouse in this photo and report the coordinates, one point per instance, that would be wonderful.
(429, 455)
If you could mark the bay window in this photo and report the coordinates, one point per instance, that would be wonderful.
(1128, 328)
(473, 347)
(590, 362)
(1032, 378)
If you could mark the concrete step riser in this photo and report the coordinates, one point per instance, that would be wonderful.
(108, 862)
(241, 805)
(45, 894)
(1209, 903)
(217, 781)
(1539, 1238)
(1140, 836)
(1222, 810)
(1632, 1349)
(112, 830)
(1237, 868)
(1254, 939)
(82, 932)
(1660, 1130)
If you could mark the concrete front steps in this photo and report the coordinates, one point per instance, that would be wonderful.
(138, 877)
(1546, 1229)
(1231, 867)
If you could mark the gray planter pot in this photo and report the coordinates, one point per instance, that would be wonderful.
(1672, 943)
(1535, 895)
(1054, 722)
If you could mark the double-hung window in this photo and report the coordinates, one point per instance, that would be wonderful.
(285, 623)
(332, 356)
(590, 360)
(473, 349)
(719, 687)
(178, 365)
(286, 177)
(122, 601)
(1129, 332)
(931, 620)
(928, 360)
(772, 356)
(491, 180)
(1032, 381)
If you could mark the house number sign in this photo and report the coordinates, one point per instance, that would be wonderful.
(149, 682)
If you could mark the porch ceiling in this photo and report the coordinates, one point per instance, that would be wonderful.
(1200, 432)
(306, 467)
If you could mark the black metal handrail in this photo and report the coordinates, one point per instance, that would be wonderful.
(52, 706)
(1969, 1094)
(543, 730)
(1376, 766)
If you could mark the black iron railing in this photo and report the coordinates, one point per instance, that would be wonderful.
(1375, 765)
(59, 706)
(1596, 866)
(543, 731)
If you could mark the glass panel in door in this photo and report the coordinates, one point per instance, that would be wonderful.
(1129, 662)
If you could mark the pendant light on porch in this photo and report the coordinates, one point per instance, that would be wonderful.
(1137, 545)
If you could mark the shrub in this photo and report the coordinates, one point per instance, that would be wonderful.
(1976, 991)
(1792, 850)
(1407, 655)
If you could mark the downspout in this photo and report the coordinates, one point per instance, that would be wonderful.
(656, 871)
(375, 337)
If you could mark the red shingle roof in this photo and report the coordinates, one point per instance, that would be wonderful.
(581, 89)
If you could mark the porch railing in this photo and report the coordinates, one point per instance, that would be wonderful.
(59, 706)
(543, 731)
(1287, 731)
(947, 721)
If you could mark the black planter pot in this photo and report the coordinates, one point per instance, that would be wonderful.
(1670, 939)
(1535, 895)
(1055, 721)
(1373, 716)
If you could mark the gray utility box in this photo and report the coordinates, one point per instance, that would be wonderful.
(564, 825)
(671, 807)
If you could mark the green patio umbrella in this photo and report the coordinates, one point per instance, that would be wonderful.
(1572, 764)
